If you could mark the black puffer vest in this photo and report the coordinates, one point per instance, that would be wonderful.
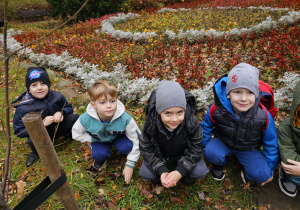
(245, 134)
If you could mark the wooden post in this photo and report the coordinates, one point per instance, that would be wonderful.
(42, 142)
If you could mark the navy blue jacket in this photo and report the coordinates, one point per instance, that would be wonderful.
(26, 103)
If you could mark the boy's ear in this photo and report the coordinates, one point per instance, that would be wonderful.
(228, 96)
(93, 104)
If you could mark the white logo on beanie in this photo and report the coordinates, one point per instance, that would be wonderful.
(35, 74)
(243, 75)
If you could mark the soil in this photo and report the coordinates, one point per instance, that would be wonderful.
(272, 197)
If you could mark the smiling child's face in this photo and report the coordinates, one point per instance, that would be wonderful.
(39, 89)
(172, 117)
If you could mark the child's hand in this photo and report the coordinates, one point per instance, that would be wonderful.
(48, 120)
(58, 117)
(170, 179)
(163, 179)
(293, 169)
(173, 178)
(269, 180)
(127, 173)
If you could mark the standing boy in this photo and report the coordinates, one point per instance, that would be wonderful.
(171, 134)
(289, 148)
(240, 126)
(105, 123)
(54, 108)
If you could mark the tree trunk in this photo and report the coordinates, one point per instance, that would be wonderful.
(42, 142)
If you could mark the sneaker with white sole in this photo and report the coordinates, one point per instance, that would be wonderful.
(245, 179)
(98, 165)
(286, 186)
(217, 172)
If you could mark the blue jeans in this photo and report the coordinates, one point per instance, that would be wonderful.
(198, 172)
(255, 164)
(101, 150)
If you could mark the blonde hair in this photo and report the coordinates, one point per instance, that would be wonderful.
(102, 88)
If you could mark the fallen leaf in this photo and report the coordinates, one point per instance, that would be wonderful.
(140, 185)
(101, 191)
(247, 187)
(114, 200)
(111, 205)
(145, 192)
(77, 196)
(117, 174)
(208, 201)
(177, 200)
(228, 184)
(20, 188)
(201, 195)
(159, 189)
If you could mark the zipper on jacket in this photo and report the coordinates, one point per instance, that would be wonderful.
(235, 133)
(105, 135)
(172, 144)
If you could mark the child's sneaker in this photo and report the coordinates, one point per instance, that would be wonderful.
(286, 186)
(244, 178)
(188, 180)
(217, 172)
(31, 159)
(98, 165)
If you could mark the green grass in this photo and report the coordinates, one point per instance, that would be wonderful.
(107, 189)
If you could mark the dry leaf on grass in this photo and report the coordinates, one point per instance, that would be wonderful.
(20, 188)
(177, 200)
(201, 195)
(77, 196)
(208, 201)
(159, 189)
(101, 191)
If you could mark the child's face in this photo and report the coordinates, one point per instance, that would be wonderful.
(105, 107)
(39, 89)
(241, 99)
(172, 117)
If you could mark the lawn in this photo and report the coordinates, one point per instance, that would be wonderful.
(194, 45)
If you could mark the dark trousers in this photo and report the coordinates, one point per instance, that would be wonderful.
(64, 129)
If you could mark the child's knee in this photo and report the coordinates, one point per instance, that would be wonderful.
(100, 155)
(214, 157)
(260, 175)
(125, 148)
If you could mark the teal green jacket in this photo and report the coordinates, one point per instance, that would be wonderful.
(89, 128)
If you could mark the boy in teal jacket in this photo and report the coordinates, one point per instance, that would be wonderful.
(105, 123)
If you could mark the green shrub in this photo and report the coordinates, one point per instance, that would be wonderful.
(14, 7)
(137, 5)
(93, 9)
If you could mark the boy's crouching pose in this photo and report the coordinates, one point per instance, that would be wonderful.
(240, 125)
(105, 123)
(54, 108)
(171, 135)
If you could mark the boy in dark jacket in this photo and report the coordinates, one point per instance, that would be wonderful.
(171, 134)
(289, 148)
(240, 126)
(52, 105)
